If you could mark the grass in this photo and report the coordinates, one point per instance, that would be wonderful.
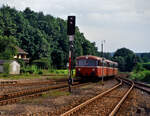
(57, 71)
(55, 93)
(51, 74)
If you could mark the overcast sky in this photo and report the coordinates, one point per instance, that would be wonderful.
(121, 23)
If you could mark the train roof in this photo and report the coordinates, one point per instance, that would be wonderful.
(115, 63)
(109, 61)
(96, 58)
(89, 57)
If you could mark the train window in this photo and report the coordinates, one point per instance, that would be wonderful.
(87, 62)
(92, 62)
(82, 62)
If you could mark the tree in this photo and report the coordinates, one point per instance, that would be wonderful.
(125, 58)
(42, 36)
(7, 47)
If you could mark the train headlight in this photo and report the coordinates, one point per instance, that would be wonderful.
(79, 69)
(93, 69)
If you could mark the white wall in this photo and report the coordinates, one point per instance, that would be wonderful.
(14, 68)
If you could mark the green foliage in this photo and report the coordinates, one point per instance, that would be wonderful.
(42, 36)
(32, 69)
(29, 69)
(5, 75)
(7, 47)
(21, 62)
(40, 72)
(147, 76)
(141, 76)
(145, 57)
(125, 58)
(43, 63)
(6, 67)
(146, 65)
(138, 76)
(141, 73)
(138, 67)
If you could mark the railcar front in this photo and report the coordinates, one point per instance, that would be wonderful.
(87, 66)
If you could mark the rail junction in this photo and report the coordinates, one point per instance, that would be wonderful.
(108, 102)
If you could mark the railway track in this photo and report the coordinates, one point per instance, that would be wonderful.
(27, 93)
(117, 94)
(112, 98)
(14, 97)
(101, 104)
(15, 86)
(139, 85)
(25, 86)
(142, 86)
(16, 83)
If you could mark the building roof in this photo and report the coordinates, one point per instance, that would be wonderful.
(20, 51)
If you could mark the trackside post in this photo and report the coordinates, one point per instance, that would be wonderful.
(70, 33)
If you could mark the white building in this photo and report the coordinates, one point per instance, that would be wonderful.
(14, 66)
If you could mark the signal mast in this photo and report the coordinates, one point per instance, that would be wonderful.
(70, 33)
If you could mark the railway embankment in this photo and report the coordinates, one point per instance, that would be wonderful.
(57, 102)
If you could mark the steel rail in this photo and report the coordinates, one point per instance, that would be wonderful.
(47, 113)
(28, 84)
(68, 113)
(121, 101)
(141, 86)
(12, 98)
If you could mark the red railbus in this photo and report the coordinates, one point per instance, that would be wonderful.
(93, 66)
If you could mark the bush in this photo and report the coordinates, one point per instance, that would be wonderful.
(62, 72)
(138, 67)
(146, 65)
(147, 77)
(57, 72)
(51, 71)
(22, 70)
(21, 62)
(40, 72)
(30, 71)
(6, 67)
(5, 75)
(43, 63)
(141, 76)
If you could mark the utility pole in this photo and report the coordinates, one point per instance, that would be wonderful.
(70, 32)
(102, 46)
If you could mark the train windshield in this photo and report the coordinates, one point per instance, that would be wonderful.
(87, 62)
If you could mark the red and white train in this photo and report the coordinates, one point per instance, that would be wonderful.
(93, 66)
